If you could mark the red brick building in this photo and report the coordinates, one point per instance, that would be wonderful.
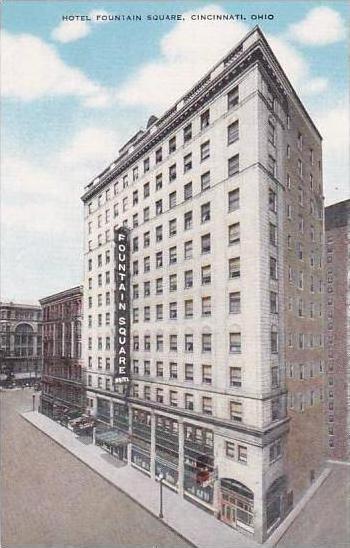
(338, 328)
(62, 388)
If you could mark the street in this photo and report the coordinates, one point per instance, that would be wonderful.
(50, 498)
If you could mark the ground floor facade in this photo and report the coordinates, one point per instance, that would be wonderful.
(223, 471)
(20, 370)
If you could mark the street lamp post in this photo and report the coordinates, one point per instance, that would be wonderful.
(160, 479)
(33, 402)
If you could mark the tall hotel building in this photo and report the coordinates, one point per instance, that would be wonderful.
(222, 196)
(337, 224)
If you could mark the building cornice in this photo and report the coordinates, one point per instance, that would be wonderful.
(63, 295)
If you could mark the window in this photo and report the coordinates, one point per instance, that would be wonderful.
(205, 151)
(300, 141)
(233, 132)
(173, 311)
(146, 214)
(235, 302)
(146, 165)
(172, 145)
(172, 227)
(205, 212)
(159, 233)
(273, 268)
(188, 249)
(234, 234)
(271, 131)
(146, 289)
(206, 374)
(159, 207)
(188, 371)
(230, 450)
(172, 199)
(205, 119)
(233, 200)
(159, 155)
(189, 402)
(187, 162)
(207, 405)
(235, 343)
(135, 244)
(206, 342)
(205, 180)
(159, 311)
(188, 343)
(146, 313)
(188, 191)
(274, 340)
(146, 264)
(273, 234)
(188, 218)
(242, 454)
(234, 267)
(173, 398)
(159, 286)
(205, 243)
(159, 181)
(235, 376)
(232, 98)
(159, 343)
(172, 255)
(146, 239)
(206, 306)
(300, 168)
(146, 190)
(273, 302)
(233, 165)
(188, 279)
(159, 369)
(272, 200)
(271, 165)
(189, 309)
(188, 133)
(159, 395)
(236, 411)
(135, 173)
(173, 370)
(206, 275)
(159, 259)
(172, 173)
(173, 282)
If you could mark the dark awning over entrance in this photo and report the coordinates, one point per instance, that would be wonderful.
(112, 438)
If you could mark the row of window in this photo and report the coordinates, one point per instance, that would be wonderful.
(232, 135)
(304, 340)
(304, 371)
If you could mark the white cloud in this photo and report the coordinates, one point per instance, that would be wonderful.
(321, 26)
(333, 122)
(70, 31)
(159, 83)
(32, 69)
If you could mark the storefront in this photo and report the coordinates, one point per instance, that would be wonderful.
(114, 442)
(141, 439)
(237, 504)
(276, 502)
(103, 410)
(167, 450)
(199, 464)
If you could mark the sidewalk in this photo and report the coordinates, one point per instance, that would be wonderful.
(193, 524)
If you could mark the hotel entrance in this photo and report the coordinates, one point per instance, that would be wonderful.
(237, 505)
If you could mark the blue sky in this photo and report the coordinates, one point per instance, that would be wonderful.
(74, 92)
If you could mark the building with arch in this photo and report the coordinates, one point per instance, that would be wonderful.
(62, 386)
(221, 198)
(20, 343)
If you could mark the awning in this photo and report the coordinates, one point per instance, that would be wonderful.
(112, 438)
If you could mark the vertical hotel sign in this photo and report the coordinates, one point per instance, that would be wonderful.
(122, 306)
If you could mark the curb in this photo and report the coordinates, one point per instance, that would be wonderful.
(289, 520)
(80, 459)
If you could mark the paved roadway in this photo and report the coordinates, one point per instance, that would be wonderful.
(49, 498)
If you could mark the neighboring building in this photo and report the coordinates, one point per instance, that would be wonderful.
(223, 199)
(62, 385)
(337, 220)
(20, 343)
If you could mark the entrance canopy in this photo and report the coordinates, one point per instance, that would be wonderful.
(112, 438)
